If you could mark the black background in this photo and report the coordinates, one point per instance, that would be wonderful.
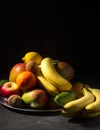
(62, 31)
(68, 31)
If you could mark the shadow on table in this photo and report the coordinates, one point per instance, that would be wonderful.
(89, 123)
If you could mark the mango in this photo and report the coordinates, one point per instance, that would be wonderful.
(64, 97)
(36, 98)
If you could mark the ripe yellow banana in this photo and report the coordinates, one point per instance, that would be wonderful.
(51, 89)
(94, 106)
(50, 73)
(80, 103)
(87, 115)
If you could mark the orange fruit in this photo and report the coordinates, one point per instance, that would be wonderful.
(26, 80)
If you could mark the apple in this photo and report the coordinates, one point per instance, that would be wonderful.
(9, 88)
(65, 69)
(36, 98)
(15, 70)
(26, 81)
(2, 81)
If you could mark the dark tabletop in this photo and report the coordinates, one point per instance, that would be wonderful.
(15, 120)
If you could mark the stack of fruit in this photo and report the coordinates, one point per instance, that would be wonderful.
(38, 82)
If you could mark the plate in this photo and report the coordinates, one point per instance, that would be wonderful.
(3, 101)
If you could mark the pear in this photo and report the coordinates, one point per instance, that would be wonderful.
(36, 98)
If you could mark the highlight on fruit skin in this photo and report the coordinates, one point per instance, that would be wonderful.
(35, 56)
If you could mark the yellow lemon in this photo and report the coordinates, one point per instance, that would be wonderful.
(35, 56)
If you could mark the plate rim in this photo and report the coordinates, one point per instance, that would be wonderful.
(5, 104)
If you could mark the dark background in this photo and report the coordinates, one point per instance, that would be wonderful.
(65, 32)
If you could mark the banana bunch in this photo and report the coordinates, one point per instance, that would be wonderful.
(92, 109)
(50, 79)
(45, 84)
(87, 106)
(50, 73)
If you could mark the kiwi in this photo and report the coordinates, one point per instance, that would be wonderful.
(15, 101)
(30, 66)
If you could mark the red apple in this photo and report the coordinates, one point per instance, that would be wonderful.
(9, 88)
(15, 70)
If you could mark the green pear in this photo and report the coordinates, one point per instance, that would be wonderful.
(36, 98)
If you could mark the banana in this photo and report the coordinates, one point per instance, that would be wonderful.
(80, 103)
(94, 106)
(50, 73)
(86, 115)
(70, 114)
(51, 89)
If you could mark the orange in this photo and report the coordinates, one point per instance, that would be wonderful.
(26, 80)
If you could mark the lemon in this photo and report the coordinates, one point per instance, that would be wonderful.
(35, 56)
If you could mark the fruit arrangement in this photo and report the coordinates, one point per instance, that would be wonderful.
(43, 82)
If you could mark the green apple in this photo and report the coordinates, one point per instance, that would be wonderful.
(36, 98)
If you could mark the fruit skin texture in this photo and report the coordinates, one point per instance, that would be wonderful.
(26, 81)
(36, 98)
(45, 84)
(94, 107)
(64, 97)
(35, 56)
(50, 73)
(80, 103)
(9, 88)
(65, 69)
(15, 70)
(15, 101)
(31, 66)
